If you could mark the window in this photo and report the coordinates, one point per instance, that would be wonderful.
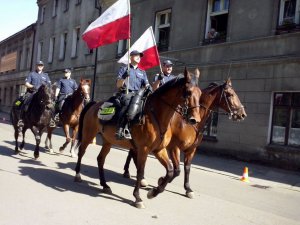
(210, 128)
(63, 45)
(216, 21)
(43, 11)
(11, 95)
(27, 58)
(20, 90)
(286, 119)
(4, 97)
(122, 48)
(289, 12)
(162, 29)
(51, 49)
(66, 5)
(20, 61)
(78, 2)
(54, 10)
(75, 41)
(39, 51)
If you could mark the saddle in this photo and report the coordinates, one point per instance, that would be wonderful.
(110, 110)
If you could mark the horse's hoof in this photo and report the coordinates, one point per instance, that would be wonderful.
(51, 151)
(126, 174)
(77, 178)
(140, 205)
(144, 183)
(73, 155)
(61, 149)
(150, 194)
(36, 156)
(107, 190)
(190, 194)
(17, 151)
(160, 181)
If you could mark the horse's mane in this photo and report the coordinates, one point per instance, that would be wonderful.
(211, 87)
(178, 81)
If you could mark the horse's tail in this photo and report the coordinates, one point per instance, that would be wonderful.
(82, 114)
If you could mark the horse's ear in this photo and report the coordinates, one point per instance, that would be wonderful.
(187, 75)
(197, 73)
(228, 81)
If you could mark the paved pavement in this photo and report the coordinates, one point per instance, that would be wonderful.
(43, 191)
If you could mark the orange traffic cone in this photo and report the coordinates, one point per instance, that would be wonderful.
(245, 178)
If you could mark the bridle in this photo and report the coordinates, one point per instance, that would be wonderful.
(233, 112)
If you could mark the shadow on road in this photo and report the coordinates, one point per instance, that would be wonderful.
(64, 182)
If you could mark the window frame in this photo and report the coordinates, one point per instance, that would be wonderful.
(75, 41)
(51, 49)
(288, 127)
(281, 12)
(158, 26)
(54, 9)
(42, 16)
(209, 14)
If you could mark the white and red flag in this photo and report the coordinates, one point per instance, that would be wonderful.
(111, 26)
(147, 45)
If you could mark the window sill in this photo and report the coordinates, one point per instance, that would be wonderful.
(210, 139)
(74, 57)
(283, 148)
(214, 41)
(287, 28)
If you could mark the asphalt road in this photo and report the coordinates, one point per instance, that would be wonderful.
(43, 192)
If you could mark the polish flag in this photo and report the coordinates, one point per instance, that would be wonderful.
(111, 26)
(147, 45)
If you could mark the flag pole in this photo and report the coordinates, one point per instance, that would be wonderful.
(156, 49)
(128, 40)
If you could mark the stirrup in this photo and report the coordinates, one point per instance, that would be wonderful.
(56, 118)
(127, 134)
(52, 123)
(20, 123)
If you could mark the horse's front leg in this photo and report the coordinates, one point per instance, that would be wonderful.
(175, 158)
(101, 160)
(74, 134)
(188, 156)
(163, 158)
(23, 137)
(141, 156)
(16, 140)
(37, 135)
(68, 139)
(49, 138)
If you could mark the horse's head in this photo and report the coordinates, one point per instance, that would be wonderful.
(231, 103)
(182, 95)
(84, 88)
(44, 96)
(192, 95)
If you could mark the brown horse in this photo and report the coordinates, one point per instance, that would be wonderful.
(186, 137)
(153, 135)
(69, 116)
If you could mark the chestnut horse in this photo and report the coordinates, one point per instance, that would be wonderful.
(186, 137)
(37, 117)
(69, 116)
(153, 135)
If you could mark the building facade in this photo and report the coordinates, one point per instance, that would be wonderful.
(16, 54)
(256, 43)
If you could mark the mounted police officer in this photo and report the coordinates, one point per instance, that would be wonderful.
(66, 86)
(165, 76)
(33, 81)
(136, 79)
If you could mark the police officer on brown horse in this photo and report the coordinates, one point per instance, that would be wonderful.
(136, 79)
(33, 81)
